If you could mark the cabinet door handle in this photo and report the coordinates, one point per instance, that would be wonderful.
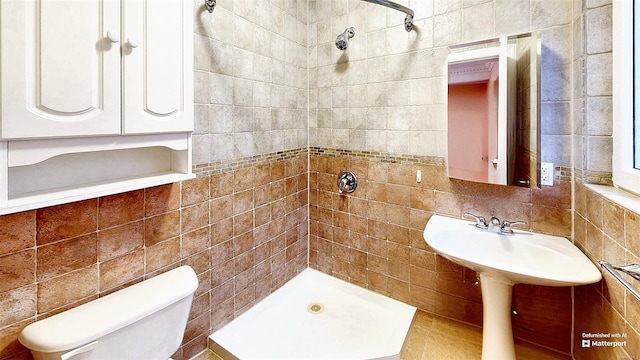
(113, 36)
(133, 42)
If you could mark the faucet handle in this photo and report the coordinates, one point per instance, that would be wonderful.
(481, 222)
(505, 228)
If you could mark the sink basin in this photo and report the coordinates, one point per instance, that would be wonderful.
(502, 261)
(525, 257)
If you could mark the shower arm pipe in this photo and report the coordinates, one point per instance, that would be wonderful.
(210, 5)
(408, 21)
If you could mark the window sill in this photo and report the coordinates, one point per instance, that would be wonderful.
(621, 197)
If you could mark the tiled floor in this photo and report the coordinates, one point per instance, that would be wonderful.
(434, 338)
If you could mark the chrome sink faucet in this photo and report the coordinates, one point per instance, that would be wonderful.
(505, 228)
(481, 222)
(494, 223)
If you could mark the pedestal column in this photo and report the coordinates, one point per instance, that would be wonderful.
(497, 336)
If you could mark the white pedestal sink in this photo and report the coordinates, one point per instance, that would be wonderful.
(505, 260)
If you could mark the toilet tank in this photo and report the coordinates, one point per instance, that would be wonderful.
(143, 321)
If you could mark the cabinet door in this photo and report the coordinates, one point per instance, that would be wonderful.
(158, 66)
(60, 71)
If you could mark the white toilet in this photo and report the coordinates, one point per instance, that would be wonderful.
(144, 321)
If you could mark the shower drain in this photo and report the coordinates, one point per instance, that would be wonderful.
(315, 308)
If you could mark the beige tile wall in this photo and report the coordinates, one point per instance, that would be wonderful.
(592, 115)
(605, 230)
(387, 92)
(373, 238)
(243, 231)
(251, 79)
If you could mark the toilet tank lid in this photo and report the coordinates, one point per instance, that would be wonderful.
(92, 320)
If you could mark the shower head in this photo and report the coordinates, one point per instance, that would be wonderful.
(342, 41)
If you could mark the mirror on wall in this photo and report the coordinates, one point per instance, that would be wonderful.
(494, 111)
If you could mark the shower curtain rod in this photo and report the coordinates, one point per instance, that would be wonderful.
(391, 4)
(408, 20)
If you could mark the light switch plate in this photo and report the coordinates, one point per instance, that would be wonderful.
(546, 173)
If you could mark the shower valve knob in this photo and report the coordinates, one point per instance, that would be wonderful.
(347, 182)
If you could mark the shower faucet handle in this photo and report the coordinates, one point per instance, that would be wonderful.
(481, 222)
(347, 182)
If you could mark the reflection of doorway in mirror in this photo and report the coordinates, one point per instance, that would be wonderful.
(473, 107)
(468, 147)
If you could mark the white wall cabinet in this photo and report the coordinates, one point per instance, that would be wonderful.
(60, 73)
(157, 66)
(83, 81)
(89, 67)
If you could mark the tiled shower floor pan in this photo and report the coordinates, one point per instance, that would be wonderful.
(316, 316)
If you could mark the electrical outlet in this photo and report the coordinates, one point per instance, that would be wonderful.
(546, 173)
